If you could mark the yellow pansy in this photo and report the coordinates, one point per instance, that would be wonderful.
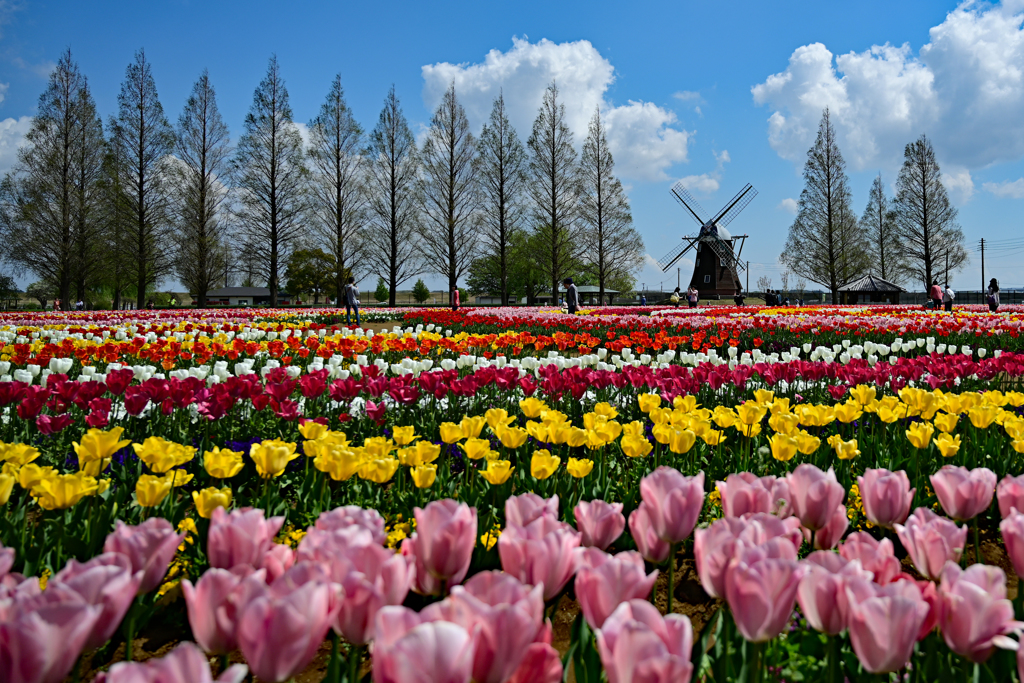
(606, 410)
(845, 450)
(18, 454)
(806, 444)
(403, 436)
(947, 445)
(579, 467)
(764, 396)
(378, 470)
(681, 441)
(983, 416)
(784, 447)
(648, 402)
(6, 486)
(272, 457)
(532, 407)
(222, 463)
(635, 446)
(421, 453)
(495, 417)
(848, 412)
(497, 471)
(511, 437)
(97, 447)
(209, 499)
(161, 455)
(920, 434)
(451, 432)
(863, 394)
(423, 476)
(313, 430)
(543, 464)
(475, 449)
(61, 491)
(946, 422)
(489, 539)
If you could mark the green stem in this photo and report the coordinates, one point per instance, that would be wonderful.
(333, 665)
(757, 662)
(977, 542)
(354, 657)
(129, 635)
(671, 574)
(833, 660)
(223, 663)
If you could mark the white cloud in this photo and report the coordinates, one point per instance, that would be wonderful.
(641, 135)
(788, 205)
(708, 183)
(687, 95)
(3, 91)
(964, 89)
(959, 183)
(12, 134)
(1013, 190)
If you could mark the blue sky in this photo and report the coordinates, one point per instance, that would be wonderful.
(718, 93)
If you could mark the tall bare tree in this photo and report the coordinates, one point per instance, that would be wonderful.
(200, 194)
(271, 179)
(614, 249)
(141, 138)
(501, 171)
(52, 198)
(885, 246)
(449, 190)
(392, 250)
(337, 189)
(925, 219)
(555, 187)
(825, 244)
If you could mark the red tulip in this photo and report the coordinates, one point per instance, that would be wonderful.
(637, 644)
(603, 582)
(432, 652)
(964, 493)
(761, 592)
(931, 541)
(975, 615)
(522, 509)
(442, 545)
(814, 495)
(1010, 494)
(183, 664)
(673, 502)
(215, 604)
(105, 581)
(543, 552)
(600, 523)
(150, 547)
(822, 591)
(240, 537)
(886, 496)
(884, 622)
(877, 557)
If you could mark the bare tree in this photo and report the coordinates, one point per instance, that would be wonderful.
(801, 286)
(140, 139)
(885, 247)
(784, 279)
(338, 190)
(392, 249)
(555, 189)
(202, 148)
(764, 283)
(925, 219)
(825, 244)
(271, 179)
(450, 198)
(614, 249)
(501, 170)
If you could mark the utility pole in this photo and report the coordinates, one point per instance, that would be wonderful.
(983, 264)
(679, 275)
(748, 277)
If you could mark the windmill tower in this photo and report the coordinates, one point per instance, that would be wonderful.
(717, 260)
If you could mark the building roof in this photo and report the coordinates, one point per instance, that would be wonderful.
(871, 283)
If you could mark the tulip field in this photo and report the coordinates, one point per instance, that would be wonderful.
(512, 495)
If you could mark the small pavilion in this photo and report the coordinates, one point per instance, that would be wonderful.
(870, 289)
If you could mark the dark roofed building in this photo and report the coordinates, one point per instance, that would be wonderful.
(870, 289)
(244, 296)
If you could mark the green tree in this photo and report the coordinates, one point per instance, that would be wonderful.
(39, 291)
(382, 292)
(523, 276)
(420, 291)
(310, 271)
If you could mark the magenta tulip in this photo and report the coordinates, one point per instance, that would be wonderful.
(603, 582)
(525, 508)
(1012, 529)
(353, 515)
(183, 664)
(829, 536)
(761, 592)
(877, 557)
(975, 614)
(886, 496)
(543, 552)
(822, 590)
(814, 495)
(442, 545)
(931, 541)
(40, 640)
(600, 523)
(150, 547)
(673, 502)
(215, 604)
(884, 622)
(716, 545)
(540, 664)
(432, 652)
(240, 537)
(1009, 494)
(653, 549)
(964, 493)
(636, 643)
(107, 582)
(744, 492)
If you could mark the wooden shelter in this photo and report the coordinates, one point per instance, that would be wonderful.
(870, 289)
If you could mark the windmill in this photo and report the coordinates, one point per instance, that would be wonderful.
(717, 263)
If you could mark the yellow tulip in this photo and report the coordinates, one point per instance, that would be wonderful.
(724, 417)
(423, 475)
(659, 415)
(681, 441)
(61, 491)
(648, 402)
(635, 446)
(161, 455)
(539, 431)
(421, 453)
(451, 432)
(968, 401)
(18, 454)
(497, 416)
(150, 490)
(340, 463)
(749, 431)
(403, 436)
(313, 430)
(663, 433)
(750, 413)
(845, 450)
(103, 484)
(31, 474)
(97, 447)
(178, 477)
(780, 406)
(634, 428)
(1018, 445)
(554, 417)
(579, 468)
(379, 470)
(784, 447)
(574, 436)
(511, 437)
(887, 414)
(378, 446)
(947, 445)
(920, 434)
(210, 499)
(994, 398)
(784, 423)
(1014, 428)
(472, 426)
(815, 415)
(1015, 398)
(764, 396)
(497, 472)
(606, 410)
(713, 437)
(474, 449)
(807, 444)
(687, 404)
(863, 394)
(543, 464)
(983, 416)
(848, 412)
(272, 457)
(6, 486)
(222, 463)
(946, 422)
(532, 407)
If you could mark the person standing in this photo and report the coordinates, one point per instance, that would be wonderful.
(676, 296)
(935, 294)
(455, 298)
(692, 296)
(947, 298)
(738, 299)
(993, 295)
(572, 296)
(351, 300)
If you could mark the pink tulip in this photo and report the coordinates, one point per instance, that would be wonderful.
(964, 493)
(40, 640)
(884, 622)
(1009, 493)
(600, 523)
(744, 493)
(276, 561)
(240, 537)
(540, 664)
(716, 545)
(886, 496)
(637, 644)
(150, 547)
(353, 515)
(442, 545)
(975, 615)
(280, 630)
(761, 591)
(931, 541)
(1012, 529)
(829, 536)
(498, 588)
(673, 502)
(525, 508)
(6, 560)
(653, 549)
(603, 582)
(432, 652)
(215, 604)
(183, 664)
(105, 581)
(877, 557)
(543, 552)
(822, 590)
(363, 594)
(814, 495)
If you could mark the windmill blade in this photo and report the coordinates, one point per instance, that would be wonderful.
(684, 197)
(666, 261)
(733, 208)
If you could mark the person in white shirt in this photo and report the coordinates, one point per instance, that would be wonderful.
(947, 298)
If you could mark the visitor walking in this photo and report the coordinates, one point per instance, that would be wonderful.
(643, 299)
(993, 295)
(692, 296)
(935, 294)
(676, 296)
(455, 298)
(947, 298)
(739, 297)
(351, 300)
(572, 296)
